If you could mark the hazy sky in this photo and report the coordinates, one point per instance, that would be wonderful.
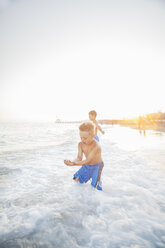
(60, 59)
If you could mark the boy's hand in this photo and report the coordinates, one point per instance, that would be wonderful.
(68, 162)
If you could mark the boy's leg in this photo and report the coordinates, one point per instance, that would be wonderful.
(82, 175)
(76, 179)
(96, 178)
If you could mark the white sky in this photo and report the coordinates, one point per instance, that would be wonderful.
(61, 59)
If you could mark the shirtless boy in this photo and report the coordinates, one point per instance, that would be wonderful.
(92, 117)
(93, 164)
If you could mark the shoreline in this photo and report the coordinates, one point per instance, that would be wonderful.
(157, 125)
(154, 127)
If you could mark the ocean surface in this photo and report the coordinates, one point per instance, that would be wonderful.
(42, 207)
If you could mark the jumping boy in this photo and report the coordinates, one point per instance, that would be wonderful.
(92, 117)
(93, 164)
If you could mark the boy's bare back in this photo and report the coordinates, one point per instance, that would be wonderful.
(92, 117)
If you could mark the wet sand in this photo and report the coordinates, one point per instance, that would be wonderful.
(155, 156)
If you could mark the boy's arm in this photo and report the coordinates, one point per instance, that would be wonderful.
(80, 153)
(86, 161)
(99, 128)
(79, 156)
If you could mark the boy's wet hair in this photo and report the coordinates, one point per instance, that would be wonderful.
(87, 126)
(93, 112)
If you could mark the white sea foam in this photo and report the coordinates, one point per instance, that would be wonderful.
(42, 207)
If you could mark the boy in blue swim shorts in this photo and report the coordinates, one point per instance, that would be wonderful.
(92, 165)
(92, 117)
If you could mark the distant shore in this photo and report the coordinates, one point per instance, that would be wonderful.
(155, 126)
(158, 127)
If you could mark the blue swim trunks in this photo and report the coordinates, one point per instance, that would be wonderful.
(96, 138)
(87, 172)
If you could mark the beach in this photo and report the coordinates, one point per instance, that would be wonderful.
(157, 126)
(41, 205)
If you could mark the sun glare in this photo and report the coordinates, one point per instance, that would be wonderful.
(116, 69)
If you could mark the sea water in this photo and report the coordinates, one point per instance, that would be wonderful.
(42, 207)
